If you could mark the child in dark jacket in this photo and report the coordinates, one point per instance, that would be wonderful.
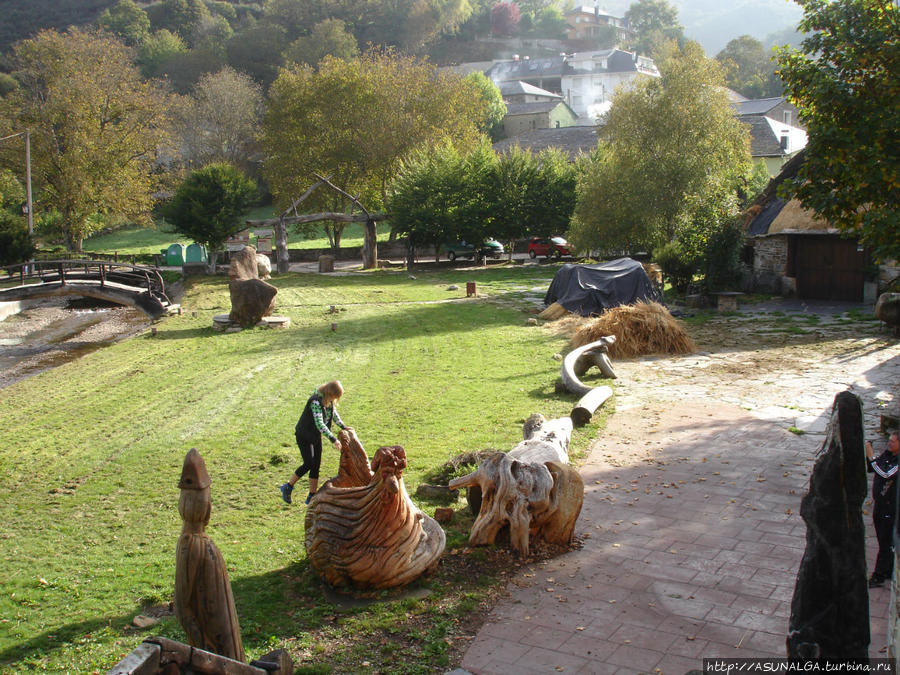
(884, 506)
(314, 422)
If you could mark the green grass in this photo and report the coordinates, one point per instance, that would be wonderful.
(94, 448)
(135, 240)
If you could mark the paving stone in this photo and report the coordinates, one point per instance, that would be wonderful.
(706, 567)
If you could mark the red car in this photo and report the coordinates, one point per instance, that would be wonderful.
(553, 246)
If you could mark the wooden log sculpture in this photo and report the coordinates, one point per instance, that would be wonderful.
(354, 469)
(531, 489)
(576, 364)
(373, 536)
(203, 601)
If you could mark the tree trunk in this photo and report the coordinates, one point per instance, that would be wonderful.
(370, 246)
(283, 257)
(213, 256)
(410, 256)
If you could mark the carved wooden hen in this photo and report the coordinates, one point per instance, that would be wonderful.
(372, 536)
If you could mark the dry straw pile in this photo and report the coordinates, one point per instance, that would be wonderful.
(641, 328)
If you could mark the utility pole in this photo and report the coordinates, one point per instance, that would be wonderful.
(28, 182)
(28, 204)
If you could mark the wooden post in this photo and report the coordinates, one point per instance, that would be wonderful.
(283, 264)
(370, 246)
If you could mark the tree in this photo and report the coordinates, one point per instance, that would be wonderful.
(16, 245)
(672, 151)
(95, 127)
(749, 68)
(655, 22)
(126, 21)
(353, 121)
(327, 38)
(494, 106)
(846, 83)
(219, 122)
(157, 50)
(179, 16)
(505, 19)
(208, 205)
(549, 22)
(441, 195)
(257, 50)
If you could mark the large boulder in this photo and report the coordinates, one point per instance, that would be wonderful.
(243, 264)
(251, 300)
(887, 309)
(251, 297)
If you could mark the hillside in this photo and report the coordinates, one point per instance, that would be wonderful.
(24, 18)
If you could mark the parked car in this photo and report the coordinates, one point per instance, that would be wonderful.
(552, 246)
(463, 249)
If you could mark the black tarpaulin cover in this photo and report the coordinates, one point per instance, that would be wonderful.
(591, 289)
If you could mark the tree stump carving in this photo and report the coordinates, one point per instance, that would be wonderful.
(530, 490)
(354, 469)
(204, 604)
(372, 536)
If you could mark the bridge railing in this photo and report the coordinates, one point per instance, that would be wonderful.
(61, 271)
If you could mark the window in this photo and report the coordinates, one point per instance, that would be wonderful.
(786, 117)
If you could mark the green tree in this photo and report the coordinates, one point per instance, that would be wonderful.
(750, 68)
(208, 205)
(672, 150)
(257, 50)
(494, 105)
(846, 83)
(441, 195)
(157, 50)
(327, 38)
(655, 22)
(179, 16)
(95, 126)
(354, 120)
(15, 244)
(126, 21)
(220, 121)
(549, 22)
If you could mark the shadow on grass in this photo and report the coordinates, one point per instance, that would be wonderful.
(413, 321)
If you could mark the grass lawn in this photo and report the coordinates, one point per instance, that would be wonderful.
(93, 452)
(134, 240)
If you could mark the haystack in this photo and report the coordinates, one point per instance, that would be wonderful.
(641, 328)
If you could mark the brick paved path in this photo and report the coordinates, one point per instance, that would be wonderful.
(693, 544)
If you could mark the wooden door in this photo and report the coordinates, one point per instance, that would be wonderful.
(828, 268)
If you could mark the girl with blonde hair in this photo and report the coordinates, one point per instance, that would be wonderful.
(315, 421)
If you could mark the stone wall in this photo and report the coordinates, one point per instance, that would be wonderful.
(770, 258)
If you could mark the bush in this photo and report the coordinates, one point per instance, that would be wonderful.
(723, 258)
(15, 243)
(678, 264)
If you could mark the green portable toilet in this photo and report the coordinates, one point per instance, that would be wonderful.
(175, 255)
(196, 253)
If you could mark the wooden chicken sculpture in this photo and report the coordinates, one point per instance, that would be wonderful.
(371, 536)
(203, 601)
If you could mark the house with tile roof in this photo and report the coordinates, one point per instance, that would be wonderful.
(776, 133)
(523, 117)
(585, 80)
(585, 22)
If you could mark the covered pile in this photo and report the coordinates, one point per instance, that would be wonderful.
(641, 328)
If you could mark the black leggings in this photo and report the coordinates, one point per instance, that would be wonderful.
(311, 452)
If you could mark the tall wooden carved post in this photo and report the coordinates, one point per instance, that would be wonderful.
(203, 601)
(284, 258)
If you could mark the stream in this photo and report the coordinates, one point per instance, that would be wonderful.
(54, 331)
